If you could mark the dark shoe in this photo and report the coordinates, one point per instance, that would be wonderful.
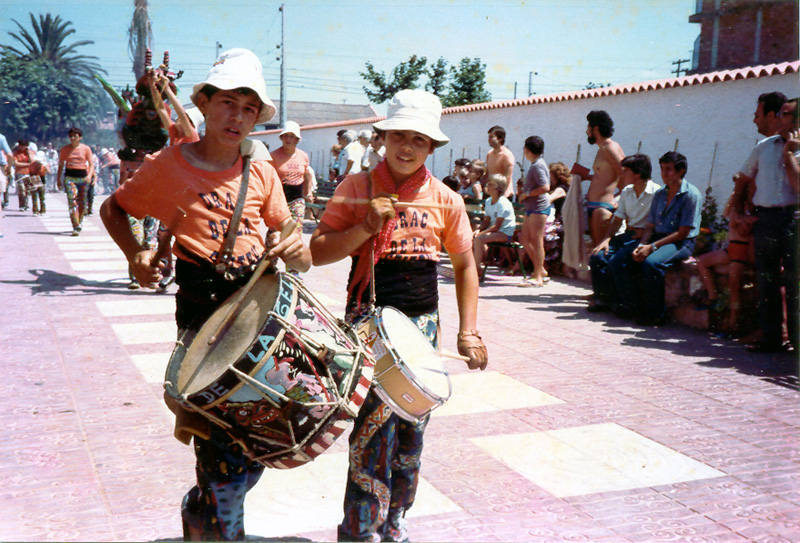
(133, 285)
(767, 347)
(165, 283)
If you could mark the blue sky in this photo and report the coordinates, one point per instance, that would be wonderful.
(555, 45)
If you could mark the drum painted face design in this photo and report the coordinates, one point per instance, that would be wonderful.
(283, 381)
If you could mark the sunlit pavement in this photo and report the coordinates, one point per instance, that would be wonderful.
(584, 427)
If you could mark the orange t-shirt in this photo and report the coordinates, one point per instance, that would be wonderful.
(24, 156)
(166, 181)
(421, 232)
(291, 169)
(79, 158)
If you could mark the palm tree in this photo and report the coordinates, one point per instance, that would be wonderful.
(47, 44)
(140, 37)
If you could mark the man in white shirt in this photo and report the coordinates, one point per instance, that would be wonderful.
(374, 153)
(350, 158)
(633, 210)
(773, 167)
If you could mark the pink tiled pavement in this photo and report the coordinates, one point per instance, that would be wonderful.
(88, 455)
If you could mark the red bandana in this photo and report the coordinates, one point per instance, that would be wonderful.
(383, 182)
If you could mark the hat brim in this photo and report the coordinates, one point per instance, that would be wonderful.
(399, 123)
(267, 111)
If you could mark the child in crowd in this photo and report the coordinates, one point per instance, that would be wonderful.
(469, 177)
(452, 180)
(179, 179)
(535, 197)
(411, 216)
(499, 221)
(739, 255)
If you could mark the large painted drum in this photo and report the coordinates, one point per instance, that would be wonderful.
(283, 379)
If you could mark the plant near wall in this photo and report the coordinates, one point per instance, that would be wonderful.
(713, 226)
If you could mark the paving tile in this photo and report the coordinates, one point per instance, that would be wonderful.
(88, 452)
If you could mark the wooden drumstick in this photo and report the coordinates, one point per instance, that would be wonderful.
(163, 247)
(245, 290)
(450, 354)
(364, 201)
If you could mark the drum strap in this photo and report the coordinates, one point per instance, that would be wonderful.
(225, 255)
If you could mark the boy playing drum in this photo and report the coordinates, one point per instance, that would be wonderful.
(202, 180)
(410, 216)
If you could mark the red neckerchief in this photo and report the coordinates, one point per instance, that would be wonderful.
(383, 182)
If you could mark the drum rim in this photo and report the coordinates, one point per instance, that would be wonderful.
(381, 329)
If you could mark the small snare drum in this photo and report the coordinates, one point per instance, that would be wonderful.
(409, 375)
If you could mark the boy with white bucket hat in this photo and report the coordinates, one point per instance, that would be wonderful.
(408, 218)
(198, 179)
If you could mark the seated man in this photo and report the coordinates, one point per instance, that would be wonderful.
(638, 269)
(634, 210)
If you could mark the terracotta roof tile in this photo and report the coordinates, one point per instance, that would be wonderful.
(657, 84)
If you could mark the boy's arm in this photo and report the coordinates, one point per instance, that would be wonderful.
(469, 342)
(161, 108)
(612, 228)
(185, 126)
(329, 245)
(116, 222)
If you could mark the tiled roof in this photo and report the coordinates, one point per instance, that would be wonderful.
(315, 113)
(656, 84)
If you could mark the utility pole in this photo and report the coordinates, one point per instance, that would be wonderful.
(677, 71)
(515, 90)
(530, 82)
(283, 65)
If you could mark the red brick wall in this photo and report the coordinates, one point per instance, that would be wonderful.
(737, 34)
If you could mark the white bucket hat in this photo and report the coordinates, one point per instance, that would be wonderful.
(196, 116)
(417, 110)
(239, 68)
(291, 128)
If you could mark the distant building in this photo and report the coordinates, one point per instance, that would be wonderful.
(312, 113)
(739, 33)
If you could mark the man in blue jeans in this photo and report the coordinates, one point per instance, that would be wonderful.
(638, 270)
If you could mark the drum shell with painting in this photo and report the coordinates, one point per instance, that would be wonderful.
(283, 380)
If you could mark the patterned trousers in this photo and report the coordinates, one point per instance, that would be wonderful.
(385, 458)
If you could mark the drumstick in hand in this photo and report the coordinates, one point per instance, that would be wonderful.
(245, 290)
(364, 201)
(164, 247)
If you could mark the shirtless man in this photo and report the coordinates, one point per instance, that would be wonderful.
(607, 169)
(500, 159)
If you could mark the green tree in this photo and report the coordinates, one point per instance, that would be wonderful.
(454, 85)
(39, 101)
(467, 84)
(405, 75)
(438, 76)
(47, 44)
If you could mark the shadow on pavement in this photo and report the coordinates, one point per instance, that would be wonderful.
(52, 282)
(780, 369)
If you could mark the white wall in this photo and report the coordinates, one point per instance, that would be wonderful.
(698, 116)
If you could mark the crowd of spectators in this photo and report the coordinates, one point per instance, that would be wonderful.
(635, 225)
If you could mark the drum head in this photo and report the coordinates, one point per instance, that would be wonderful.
(415, 351)
(204, 363)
